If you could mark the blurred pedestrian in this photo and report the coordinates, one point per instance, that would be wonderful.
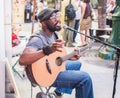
(85, 21)
(42, 4)
(28, 12)
(68, 35)
(77, 18)
(109, 12)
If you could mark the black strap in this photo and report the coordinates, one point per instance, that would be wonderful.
(56, 36)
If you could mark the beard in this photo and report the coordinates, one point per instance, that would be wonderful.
(54, 27)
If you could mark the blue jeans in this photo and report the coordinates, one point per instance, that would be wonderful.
(76, 26)
(69, 66)
(73, 78)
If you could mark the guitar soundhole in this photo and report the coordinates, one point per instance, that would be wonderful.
(58, 61)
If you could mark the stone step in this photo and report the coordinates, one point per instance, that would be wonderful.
(109, 49)
(105, 55)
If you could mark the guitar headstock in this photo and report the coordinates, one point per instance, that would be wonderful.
(83, 49)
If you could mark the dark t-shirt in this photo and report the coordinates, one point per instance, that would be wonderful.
(88, 11)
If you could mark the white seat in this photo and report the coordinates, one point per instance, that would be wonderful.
(105, 39)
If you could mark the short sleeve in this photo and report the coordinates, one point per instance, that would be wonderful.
(35, 43)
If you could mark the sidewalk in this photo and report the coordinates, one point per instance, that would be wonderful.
(101, 72)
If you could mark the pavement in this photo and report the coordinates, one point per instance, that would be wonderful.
(100, 70)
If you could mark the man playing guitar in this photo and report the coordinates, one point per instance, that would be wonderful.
(44, 54)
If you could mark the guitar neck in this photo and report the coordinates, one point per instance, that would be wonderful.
(68, 56)
(81, 52)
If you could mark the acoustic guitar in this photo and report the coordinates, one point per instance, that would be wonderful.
(46, 69)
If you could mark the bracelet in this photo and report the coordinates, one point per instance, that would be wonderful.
(47, 50)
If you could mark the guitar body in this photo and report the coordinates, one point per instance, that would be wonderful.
(43, 75)
(45, 70)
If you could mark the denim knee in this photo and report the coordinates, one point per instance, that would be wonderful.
(85, 77)
(73, 65)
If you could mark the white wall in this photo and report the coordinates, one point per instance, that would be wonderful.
(8, 32)
(5, 41)
(2, 51)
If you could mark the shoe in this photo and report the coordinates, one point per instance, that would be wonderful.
(71, 45)
(41, 95)
(83, 45)
(54, 95)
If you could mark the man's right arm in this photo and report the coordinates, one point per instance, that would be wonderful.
(30, 55)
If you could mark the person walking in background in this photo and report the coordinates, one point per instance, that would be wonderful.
(42, 4)
(68, 35)
(28, 12)
(77, 18)
(109, 12)
(108, 3)
(58, 4)
(85, 21)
